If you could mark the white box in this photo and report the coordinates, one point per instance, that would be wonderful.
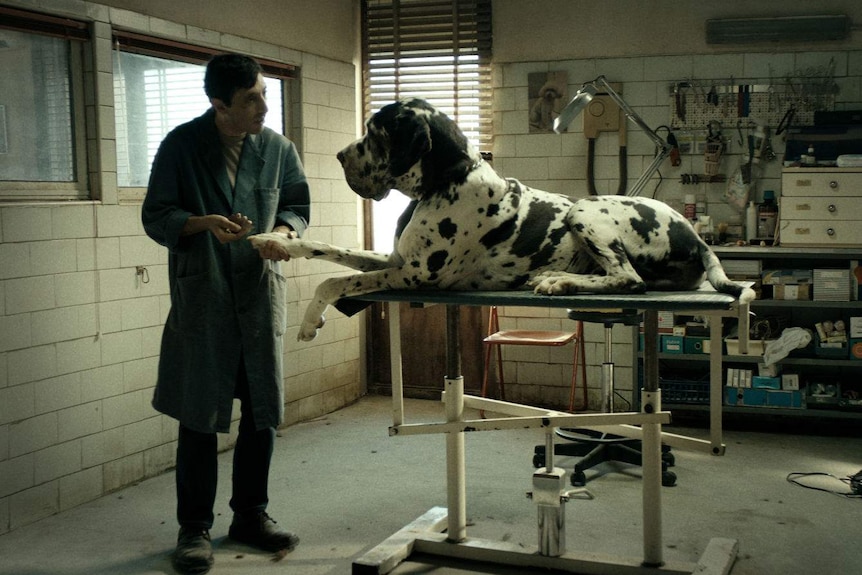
(790, 381)
(755, 346)
(856, 327)
(732, 377)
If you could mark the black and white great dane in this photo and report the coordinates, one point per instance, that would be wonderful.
(467, 228)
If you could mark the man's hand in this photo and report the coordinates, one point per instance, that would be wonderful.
(271, 251)
(226, 230)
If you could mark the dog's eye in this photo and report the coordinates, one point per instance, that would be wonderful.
(375, 142)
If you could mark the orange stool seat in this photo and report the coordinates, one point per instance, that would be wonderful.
(497, 338)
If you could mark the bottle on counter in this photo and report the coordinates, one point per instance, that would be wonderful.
(690, 212)
(767, 216)
(751, 221)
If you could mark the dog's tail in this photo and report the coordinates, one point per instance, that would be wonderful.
(719, 280)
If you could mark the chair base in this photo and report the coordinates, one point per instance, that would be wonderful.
(595, 448)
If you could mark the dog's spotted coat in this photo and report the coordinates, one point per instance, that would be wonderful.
(467, 228)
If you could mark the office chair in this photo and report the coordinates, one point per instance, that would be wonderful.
(497, 338)
(596, 447)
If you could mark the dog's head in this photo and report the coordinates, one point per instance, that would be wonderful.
(409, 146)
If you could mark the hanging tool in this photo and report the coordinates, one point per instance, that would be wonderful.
(786, 121)
(712, 96)
(713, 133)
(675, 158)
(679, 97)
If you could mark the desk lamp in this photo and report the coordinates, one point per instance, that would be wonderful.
(582, 99)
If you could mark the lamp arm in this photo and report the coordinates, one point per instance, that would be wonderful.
(663, 148)
(631, 114)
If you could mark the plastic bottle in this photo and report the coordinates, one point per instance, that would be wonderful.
(690, 207)
(810, 159)
(751, 221)
(767, 216)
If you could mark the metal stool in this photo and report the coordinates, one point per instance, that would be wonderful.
(592, 446)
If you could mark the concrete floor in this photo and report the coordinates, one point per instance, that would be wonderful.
(345, 486)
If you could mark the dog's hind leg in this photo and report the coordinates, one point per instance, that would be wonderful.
(619, 277)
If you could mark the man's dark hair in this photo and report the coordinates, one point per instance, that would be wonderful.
(227, 73)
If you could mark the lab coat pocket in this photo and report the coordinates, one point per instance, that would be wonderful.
(267, 207)
(191, 304)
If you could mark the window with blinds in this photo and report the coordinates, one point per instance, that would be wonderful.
(432, 49)
(158, 85)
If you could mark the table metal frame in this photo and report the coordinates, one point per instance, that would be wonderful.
(442, 531)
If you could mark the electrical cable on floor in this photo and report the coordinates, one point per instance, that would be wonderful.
(853, 481)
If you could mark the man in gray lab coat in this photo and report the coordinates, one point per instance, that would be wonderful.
(215, 180)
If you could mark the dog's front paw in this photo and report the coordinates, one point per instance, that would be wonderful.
(285, 246)
(308, 330)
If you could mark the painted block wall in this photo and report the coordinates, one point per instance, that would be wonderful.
(80, 328)
(557, 163)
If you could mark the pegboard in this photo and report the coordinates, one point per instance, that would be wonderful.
(747, 102)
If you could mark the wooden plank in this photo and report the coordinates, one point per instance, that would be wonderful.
(487, 552)
(718, 558)
(384, 557)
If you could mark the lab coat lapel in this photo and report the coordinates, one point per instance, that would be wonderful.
(212, 155)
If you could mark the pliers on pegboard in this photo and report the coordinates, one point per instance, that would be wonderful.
(679, 99)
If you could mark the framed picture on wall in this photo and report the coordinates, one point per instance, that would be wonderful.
(548, 93)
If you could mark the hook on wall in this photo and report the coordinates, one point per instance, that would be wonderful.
(143, 274)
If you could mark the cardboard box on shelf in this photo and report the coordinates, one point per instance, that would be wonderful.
(693, 344)
(779, 277)
(755, 346)
(790, 381)
(671, 344)
(791, 292)
(781, 398)
(761, 382)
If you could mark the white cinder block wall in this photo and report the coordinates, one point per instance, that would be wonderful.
(557, 162)
(80, 329)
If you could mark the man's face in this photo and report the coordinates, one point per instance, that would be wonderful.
(247, 110)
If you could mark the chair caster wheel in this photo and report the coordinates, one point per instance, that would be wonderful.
(579, 478)
(668, 478)
(668, 459)
(538, 460)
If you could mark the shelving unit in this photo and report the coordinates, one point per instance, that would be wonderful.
(694, 368)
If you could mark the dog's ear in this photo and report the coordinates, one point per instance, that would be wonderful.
(410, 140)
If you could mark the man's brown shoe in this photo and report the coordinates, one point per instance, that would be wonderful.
(194, 552)
(261, 531)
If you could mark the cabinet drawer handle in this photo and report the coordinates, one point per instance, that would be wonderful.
(830, 231)
(833, 184)
(831, 208)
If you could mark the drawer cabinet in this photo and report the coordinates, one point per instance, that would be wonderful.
(821, 208)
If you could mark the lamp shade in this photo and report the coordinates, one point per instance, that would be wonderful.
(577, 104)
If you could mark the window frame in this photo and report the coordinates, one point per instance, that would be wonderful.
(78, 35)
(147, 45)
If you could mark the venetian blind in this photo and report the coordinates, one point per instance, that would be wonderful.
(433, 49)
